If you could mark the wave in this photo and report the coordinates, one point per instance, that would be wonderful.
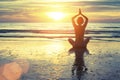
(38, 31)
(57, 31)
(94, 34)
(111, 27)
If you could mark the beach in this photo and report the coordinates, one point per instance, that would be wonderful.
(50, 59)
(59, 39)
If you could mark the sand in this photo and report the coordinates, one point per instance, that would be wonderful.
(50, 60)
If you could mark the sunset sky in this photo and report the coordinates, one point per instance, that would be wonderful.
(39, 10)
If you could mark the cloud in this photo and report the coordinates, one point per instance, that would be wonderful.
(27, 9)
(8, 0)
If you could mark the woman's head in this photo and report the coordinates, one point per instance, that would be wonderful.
(80, 20)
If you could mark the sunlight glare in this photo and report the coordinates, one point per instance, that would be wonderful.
(54, 48)
(56, 15)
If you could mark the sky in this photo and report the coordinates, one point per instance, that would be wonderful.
(36, 10)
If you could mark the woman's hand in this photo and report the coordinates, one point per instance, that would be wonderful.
(77, 14)
(79, 11)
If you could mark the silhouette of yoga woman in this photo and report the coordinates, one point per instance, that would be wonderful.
(79, 28)
(79, 45)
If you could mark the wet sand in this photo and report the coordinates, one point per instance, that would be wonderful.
(50, 60)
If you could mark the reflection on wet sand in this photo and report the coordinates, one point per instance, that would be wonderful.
(79, 65)
(13, 70)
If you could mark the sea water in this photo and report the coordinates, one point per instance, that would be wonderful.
(57, 31)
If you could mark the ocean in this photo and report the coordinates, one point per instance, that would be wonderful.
(57, 31)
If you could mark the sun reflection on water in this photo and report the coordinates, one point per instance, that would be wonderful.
(54, 48)
(56, 52)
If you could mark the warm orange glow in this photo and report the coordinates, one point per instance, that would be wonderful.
(56, 15)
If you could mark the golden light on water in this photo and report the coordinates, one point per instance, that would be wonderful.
(56, 15)
(54, 48)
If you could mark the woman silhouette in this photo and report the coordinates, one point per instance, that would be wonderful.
(79, 22)
(79, 28)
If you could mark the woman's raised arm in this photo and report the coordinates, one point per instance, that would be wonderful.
(73, 18)
(86, 20)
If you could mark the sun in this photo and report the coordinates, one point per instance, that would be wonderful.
(56, 15)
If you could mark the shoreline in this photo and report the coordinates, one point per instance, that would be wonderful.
(51, 60)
